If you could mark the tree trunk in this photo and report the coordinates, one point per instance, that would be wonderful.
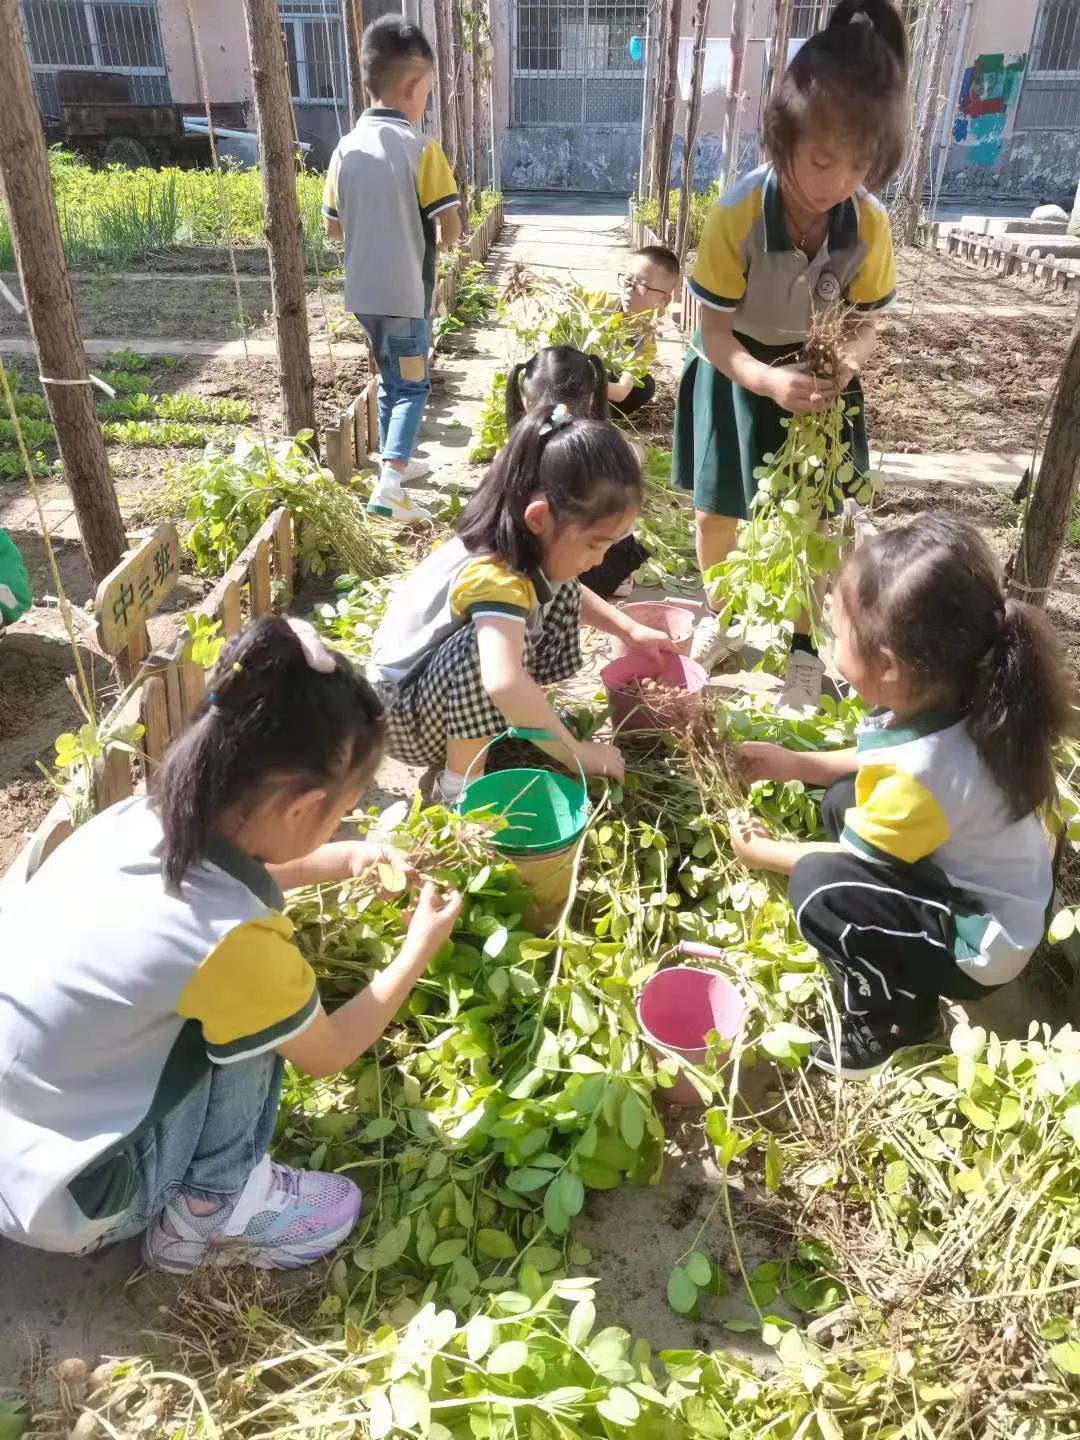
(781, 35)
(693, 112)
(733, 107)
(50, 305)
(1053, 501)
(457, 71)
(908, 206)
(669, 91)
(277, 156)
(659, 72)
(350, 31)
(477, 109)
(443, 81)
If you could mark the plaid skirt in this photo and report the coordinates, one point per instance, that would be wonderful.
(446, 700)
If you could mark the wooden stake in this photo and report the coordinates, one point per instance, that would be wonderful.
(443, 81)
(457, 72)
(908, 204)
(733, 107)
(50, 304)
(350, 30)
(653, 191)
(281, 222)
(693, 111)
(1033, 568)
(669, 96)
(781, 35)
(477, 114)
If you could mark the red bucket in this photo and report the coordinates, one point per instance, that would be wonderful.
(631, 711)
(676, 1010)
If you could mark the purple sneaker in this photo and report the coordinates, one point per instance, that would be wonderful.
(282, 1219)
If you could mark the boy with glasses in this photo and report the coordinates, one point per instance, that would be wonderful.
(646, 288)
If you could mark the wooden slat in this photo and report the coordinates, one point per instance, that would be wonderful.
(174, 702)
(192, 687)
(231, 612)
(337, 449)
(114, 779)
(155, 718)
(260, 580)
(283, 557)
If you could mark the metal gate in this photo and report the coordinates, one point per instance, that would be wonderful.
(572, 72)
(119, 37)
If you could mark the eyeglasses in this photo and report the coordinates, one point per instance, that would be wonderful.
(631, 282)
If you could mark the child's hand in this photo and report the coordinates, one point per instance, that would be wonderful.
(434, 917)
(599, 759)
(758, 760)
(653, 643)
(799, 392)
(750, 840)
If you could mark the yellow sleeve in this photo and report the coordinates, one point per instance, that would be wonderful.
(485, 587)
(252, 992)
(719, 275)
(894, 817)
(874, 285)
(329, 194)
(436, 188)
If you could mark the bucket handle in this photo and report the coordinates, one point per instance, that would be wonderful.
(523, 732)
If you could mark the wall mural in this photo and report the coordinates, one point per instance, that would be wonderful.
(989, 91)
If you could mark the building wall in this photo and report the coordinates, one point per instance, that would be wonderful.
(224, 51)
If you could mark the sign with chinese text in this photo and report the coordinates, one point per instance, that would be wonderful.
(131, 593)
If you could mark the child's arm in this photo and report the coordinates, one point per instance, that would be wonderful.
(602, 616)
(619, 390)
(333, 228)
(332, 1043)
(522, 702)
(756, 848)
(449, 223)
(759, 760)
(340, 860)
(792, 388)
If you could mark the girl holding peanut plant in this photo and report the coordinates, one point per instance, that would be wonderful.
(798, 236)
(936, 876)
(144, 1033)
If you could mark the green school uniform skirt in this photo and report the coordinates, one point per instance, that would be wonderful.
(723, 432)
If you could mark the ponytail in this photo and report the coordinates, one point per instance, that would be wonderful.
(557, 375)
(882, 17)
(1021, 708)
(281, 709)
(930, 593)
(583, 468)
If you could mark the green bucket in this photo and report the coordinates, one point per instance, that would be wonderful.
(544, 811)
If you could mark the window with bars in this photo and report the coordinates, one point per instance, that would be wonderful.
(1055, 46)
(1050, 95)
(571, 62)
(119, 37)
(313, 47)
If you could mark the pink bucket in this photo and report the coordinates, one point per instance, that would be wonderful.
(676, 623)
(630, 712)
(677, 1008)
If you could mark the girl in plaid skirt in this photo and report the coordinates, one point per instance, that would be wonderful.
(493, 615)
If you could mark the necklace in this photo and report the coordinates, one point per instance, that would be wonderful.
(801, 237)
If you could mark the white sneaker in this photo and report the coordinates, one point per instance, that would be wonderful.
(711, 643)
(395, 504)
(803, 677)
(624, 590)
(414, 470)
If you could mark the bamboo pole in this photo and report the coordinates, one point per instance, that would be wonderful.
(50, 305)
(669, 93)
(350, 30)
(781, 35)
(653, 191)
(693, 112)
(476, 115)
(457, 72)
(908, 205)
(281, 213)
(733, 106)
(443, 82)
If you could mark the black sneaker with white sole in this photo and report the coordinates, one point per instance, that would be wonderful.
(867, 1047)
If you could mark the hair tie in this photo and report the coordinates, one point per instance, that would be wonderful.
(860, 17)
(316, 654)
(559, 417)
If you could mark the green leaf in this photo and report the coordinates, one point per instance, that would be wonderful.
(529, 1178)
(446, 1251)
(463, 1211)
(511, 1355)
(774, 1165)
(555, 1215)
(14, 1419)
(896, 1177)
(619, 1406)
(699, 1268)
(979, 1116)
(632, 1120)
(410, 1404)
(495, 944)
(1067, 1357)
(571, 1192)
(378, 1129)
(495, 1244)
(388, 1248)
(582, 1319)
(583, 1013)
(681, 1291)
(607, 1354)
(479, 1337)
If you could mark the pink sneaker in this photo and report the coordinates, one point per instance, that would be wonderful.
(282, 1219)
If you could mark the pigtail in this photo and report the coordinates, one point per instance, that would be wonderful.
(1021, 708)
(515, 400)
(600, 407)
(190, 791)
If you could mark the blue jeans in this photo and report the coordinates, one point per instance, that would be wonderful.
(210, 1142)
(401, 353)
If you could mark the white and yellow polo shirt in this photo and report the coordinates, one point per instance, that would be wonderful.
(115, 998)
(748, 266)
(924, 797)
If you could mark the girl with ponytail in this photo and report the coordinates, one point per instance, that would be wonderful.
(937, 874)
(802, 235)
(159, 993)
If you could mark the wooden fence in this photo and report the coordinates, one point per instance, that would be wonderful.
(1002, 256)
(349, 444)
